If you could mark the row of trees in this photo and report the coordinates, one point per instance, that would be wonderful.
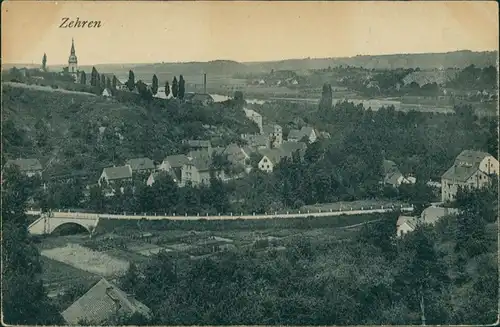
(177, 89)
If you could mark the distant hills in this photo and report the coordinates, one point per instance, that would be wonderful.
(425, 61)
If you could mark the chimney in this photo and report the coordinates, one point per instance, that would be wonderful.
(204, 83)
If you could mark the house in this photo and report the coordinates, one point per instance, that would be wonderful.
(234, 153)
(197, 170)
(270, 159)
(141, 165)
(297, 135)
(106, 92)
(154, 176)
(405, 224)
(195, 145)
(103, 303)
(174, 163)
(274, 133)
(113, 174)
(473, 169)
(204, 99)
(256, 140)
(392, 175)
(28, 167)
(255, 117)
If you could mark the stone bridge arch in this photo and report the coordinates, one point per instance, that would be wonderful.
(46, 224)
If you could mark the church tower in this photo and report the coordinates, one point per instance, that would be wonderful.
(73, 61)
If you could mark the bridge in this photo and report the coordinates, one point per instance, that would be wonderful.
(48, 222)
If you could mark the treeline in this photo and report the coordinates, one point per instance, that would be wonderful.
(475, 78)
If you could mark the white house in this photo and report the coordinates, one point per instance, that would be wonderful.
(106, 92)
(405, 224)
(472, 169)
(270, 158)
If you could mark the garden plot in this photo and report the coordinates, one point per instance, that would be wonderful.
(88, 260)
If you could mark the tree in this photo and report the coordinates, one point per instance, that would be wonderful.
(44, 62)
(131, 81)
(24, 299)
(83, 78)
(175, 87)
(182, 87)
(154, 86)
(108, 83)
(167, 89)
(115, 82)
(94, 77)
(102, 83)
(422, 273)
(144, 90)
(325, 103)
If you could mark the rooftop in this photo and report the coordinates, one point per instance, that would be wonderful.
(177, 160)
(120, 172)
(141, 164)
(100, 304)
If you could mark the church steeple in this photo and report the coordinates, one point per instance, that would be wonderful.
(73, 60)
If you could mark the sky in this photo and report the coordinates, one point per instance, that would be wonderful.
(144, 32)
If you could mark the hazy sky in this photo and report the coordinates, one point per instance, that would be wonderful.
(139, 32)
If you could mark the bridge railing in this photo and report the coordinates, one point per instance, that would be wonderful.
(297, 212)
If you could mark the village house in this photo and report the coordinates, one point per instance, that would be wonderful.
(200, 98)
(471, 169)
(430, 216)
(196, 145)
(272, 157)
(141, 165)
(156, 175)
(257, 140)
(255, 117)
(28, 167)
(274, 133)
(111, 175)
(107, 92)
(197, 170)
(102, 304)
(174, 163)
(296, 135)
(235, 154)
(392, 175)
(405, 224)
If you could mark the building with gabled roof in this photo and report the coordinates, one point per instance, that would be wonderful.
(174, 163)
(392, 175)
(275, 134)
(113, 174)
(270, 159)
(103, 303)
(406, 224)
(141, 165)
(471, 169)
(28, 167)
(197, 170)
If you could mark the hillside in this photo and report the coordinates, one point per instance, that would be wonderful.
(71, 132)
